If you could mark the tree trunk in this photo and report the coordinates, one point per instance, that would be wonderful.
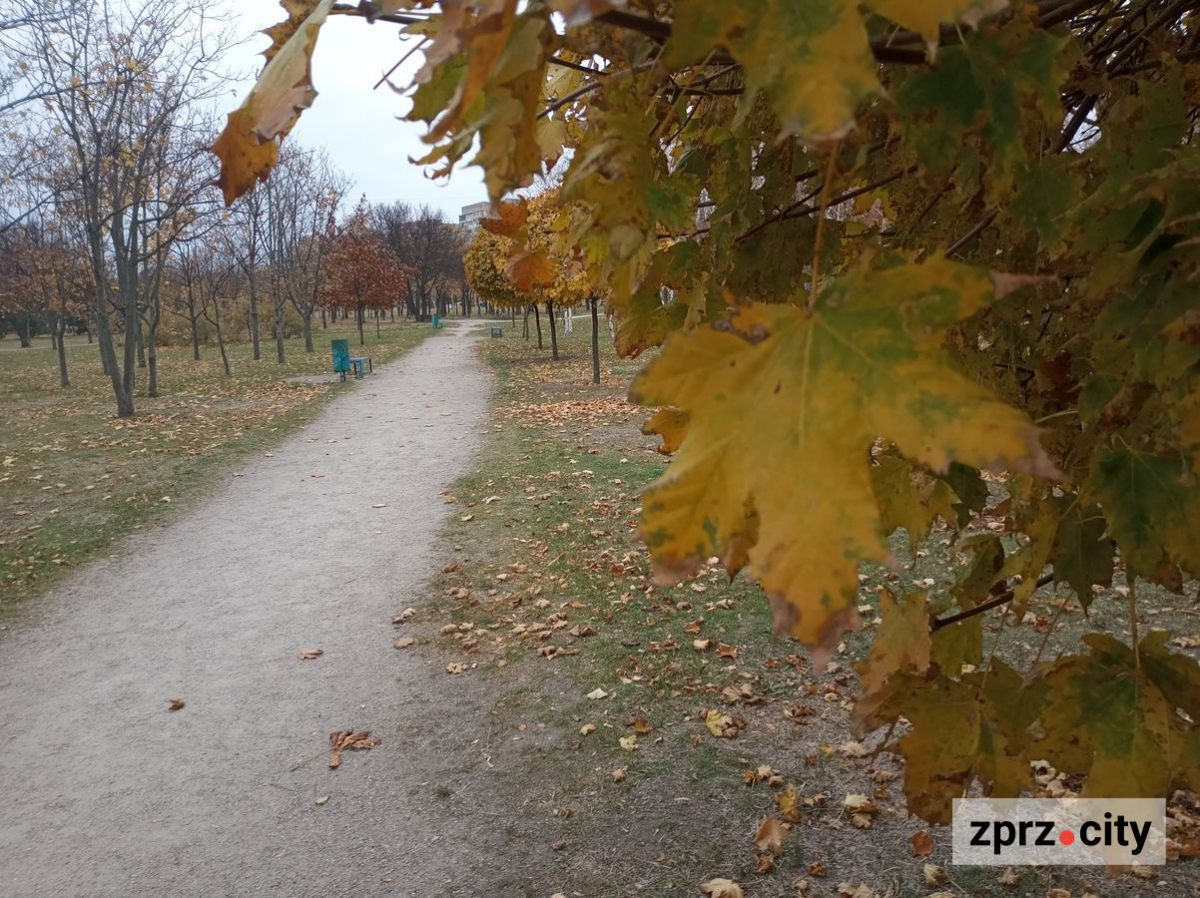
(378, 315)
(64, 380)
(152, 352)
(553, 331)
(254, 321)
(595, 343)
(359, 315)
(323, 325)
(308, 341)
(279, 330)
(538, 318)
(195, 340)
(221, 340)
(141, 346)
(524, 322)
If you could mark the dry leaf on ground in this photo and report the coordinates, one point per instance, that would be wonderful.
(403, 642)
(311, 654)
(922, 844)
(722, 888)
(346, 740)
(175, 704)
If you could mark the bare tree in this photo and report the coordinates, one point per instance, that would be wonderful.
(429, 246)
(307, 191)
(147, 64)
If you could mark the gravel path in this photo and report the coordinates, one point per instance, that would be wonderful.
(106, 793)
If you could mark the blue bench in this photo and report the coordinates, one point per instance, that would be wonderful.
(497, 331)
(361, 363)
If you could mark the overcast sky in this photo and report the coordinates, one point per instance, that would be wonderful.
(357, 125)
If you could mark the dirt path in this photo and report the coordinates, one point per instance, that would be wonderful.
(106, 793)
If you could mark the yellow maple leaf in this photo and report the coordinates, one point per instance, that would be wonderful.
(812, 61)
(783, 407)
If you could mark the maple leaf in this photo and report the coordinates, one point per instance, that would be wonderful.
(910, 498)
(248, 146)
(782, 410)
(811, 61)
(902, 641)
(770, 835)
(348, 740)
(1113, 715)
(1152, 509)
(722, 888)
(960, 731)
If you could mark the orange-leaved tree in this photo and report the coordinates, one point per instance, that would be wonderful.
(361, 273)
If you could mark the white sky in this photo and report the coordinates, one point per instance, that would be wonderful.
(357, 125)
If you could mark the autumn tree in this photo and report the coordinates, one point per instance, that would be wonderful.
(361, 273)
(884, 247)
(150, 66)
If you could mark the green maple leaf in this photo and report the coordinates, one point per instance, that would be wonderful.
(1082, 555)
(783, 408)
(1111, 714)
(1153, 510)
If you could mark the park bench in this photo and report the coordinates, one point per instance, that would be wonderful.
(497, 331)
(344, 363)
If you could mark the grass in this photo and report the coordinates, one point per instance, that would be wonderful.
(74, 479)
(545, 552)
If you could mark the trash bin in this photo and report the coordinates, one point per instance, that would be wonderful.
(437, 321)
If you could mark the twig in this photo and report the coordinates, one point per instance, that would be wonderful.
(1006, 596)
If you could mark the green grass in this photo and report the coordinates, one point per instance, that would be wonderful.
(74, 479)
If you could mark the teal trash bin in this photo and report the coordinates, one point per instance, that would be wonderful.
(437, 321)
(341, 356)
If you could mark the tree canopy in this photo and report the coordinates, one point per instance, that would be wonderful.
(885, 247)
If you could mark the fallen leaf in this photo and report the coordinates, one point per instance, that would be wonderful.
(722, 888)
(450, 568)
(467, 518)
(701, 645)
(922, 844)
(379, 505)
(935, 875)
(587, 729)
(640, 725)
(347, 740)
(770, 836)
(175, 704)
(598, 693)
(858, 804)
(311, 654)
(1009, 877)
(618, 775)
(855, 890)
(406, 615)
(322, 800)
(817, 869)
(456, 668)
(629, 743)
(403, 642)
(788, 801)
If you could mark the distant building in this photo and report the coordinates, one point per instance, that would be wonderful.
(470, 215)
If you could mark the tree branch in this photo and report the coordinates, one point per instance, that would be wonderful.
(1007, 596)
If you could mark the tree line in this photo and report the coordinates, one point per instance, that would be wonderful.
(110, 223)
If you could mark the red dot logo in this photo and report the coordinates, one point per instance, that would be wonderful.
(1066, 837)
